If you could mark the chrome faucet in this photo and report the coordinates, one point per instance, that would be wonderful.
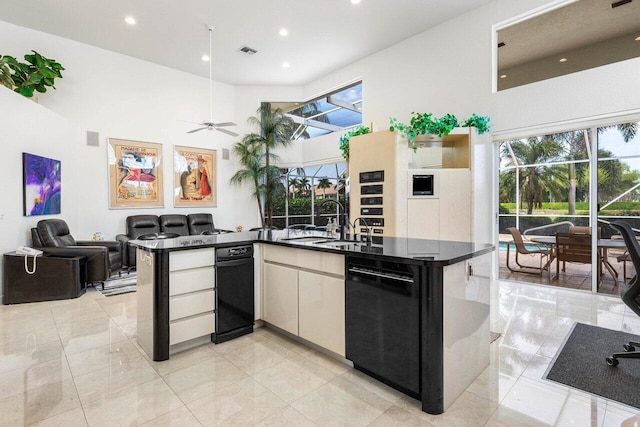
(342, 216)
(366, 226)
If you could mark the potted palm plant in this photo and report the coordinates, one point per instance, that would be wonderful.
(255, 153)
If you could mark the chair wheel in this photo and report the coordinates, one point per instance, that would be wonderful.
(612, 362)
(629, 347)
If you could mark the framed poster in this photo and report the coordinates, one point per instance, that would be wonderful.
(194, 179)
(135, 174)
(41, 187)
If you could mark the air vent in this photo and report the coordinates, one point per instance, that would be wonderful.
(620, 3)
(248, 50)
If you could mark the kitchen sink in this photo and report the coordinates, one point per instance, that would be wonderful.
(339, 243)
(305, 239)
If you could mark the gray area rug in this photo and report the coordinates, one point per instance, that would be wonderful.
(580, 363)
(119, 285)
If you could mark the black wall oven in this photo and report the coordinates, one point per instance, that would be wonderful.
(383, 321)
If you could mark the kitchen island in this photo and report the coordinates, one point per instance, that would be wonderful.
(438, 289)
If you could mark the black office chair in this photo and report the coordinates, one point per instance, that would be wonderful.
(631, 292)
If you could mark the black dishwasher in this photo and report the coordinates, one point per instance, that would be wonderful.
(383, 321)
(234, 293)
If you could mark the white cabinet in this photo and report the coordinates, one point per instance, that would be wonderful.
(321, 308)
(191, 294)
(280, 293)
(303, 294)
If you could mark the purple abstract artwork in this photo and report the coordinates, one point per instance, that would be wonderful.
(41, 186)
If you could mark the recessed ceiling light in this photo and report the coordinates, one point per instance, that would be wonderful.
(503, 76)
(285, 65)
(130, 20)
(355, 1)
(563, 59)
(284, 32)
(205, 58)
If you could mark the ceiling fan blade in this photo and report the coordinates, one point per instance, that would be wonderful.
(225, 124)
(198, 130)
(228, 132)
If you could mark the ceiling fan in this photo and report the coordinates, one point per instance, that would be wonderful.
(210, 124)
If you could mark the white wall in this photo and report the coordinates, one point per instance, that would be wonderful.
(122, 97)
(46, 134)
(447, 69)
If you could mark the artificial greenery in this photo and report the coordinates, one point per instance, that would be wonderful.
(427, 123)
(5, 73)
(36, 74)
(479, 122)
(344, 139)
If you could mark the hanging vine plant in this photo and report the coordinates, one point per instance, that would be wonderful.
(427, 123)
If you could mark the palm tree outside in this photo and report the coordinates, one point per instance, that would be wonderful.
(323, 184)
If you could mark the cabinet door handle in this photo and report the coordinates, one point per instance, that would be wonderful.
(381, 275)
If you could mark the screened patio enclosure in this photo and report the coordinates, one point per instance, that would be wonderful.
(576, 181)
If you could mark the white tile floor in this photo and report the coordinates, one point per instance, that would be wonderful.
(76, 363)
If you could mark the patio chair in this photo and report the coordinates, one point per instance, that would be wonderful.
(572, 247)
(546, 255)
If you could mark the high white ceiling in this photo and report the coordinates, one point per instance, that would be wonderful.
(324, 35)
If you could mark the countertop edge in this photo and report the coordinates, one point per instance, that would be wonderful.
(319, 248)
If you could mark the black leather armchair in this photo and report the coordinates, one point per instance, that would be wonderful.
(103, 258)
(137, 225)
(174, 223)
(202, 223)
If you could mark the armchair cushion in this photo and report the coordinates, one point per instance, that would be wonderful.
(55, 232)
(174, 223)
(200, 223)
(137, 225)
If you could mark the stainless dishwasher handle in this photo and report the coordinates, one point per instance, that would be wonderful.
(381, 275)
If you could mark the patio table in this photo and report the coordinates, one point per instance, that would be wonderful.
(603, 246)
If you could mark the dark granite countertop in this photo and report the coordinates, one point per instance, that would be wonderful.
(418, 251)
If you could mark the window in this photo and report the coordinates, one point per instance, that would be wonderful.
(548, 183)
(307, 188)
(333, 112)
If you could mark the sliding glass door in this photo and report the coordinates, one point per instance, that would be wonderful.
(544, 190)
(618, 197)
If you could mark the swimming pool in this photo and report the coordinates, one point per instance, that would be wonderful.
(530, 246)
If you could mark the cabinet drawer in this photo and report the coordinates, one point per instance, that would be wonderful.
(321, 261)
(191, 304)
(307, 259)
(184, 281)
(195, 258)
(193, 327)
(281, 255)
